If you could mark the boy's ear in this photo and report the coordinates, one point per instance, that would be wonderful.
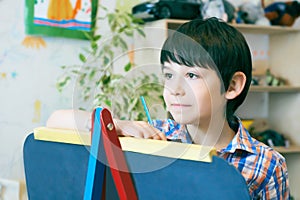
(236, 85)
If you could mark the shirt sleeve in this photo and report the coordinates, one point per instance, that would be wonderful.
(173, 130)
(169, 127)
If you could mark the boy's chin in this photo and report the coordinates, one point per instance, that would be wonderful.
(181, 119)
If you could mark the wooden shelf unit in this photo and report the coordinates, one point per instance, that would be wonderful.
(291, 149)
(275, 89)
(245, 28)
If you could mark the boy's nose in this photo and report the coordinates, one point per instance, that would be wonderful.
(178, 89)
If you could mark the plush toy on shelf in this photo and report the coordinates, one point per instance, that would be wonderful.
(272, 138)
(218, 8)
(251, 13)
(260, 130)
(283, 13)
(272, 80)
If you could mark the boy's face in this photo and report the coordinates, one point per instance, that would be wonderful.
(192, 94)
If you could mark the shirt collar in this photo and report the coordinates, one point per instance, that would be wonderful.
(242, 140)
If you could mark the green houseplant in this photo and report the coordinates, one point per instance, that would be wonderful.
(98, 83)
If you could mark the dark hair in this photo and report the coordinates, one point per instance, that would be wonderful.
(212, 43)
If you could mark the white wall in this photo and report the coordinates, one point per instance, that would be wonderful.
(27, 83)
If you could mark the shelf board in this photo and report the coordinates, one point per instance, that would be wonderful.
(275, 89)
(245, 28)
(248, 28)
(291, 149)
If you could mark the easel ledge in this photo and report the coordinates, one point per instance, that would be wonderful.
(145, 146)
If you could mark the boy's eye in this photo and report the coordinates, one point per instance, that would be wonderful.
(168, 75)
(192, 75)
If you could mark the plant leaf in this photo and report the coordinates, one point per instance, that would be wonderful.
(62, 83)
(82, 57)
(92, 74)
(127, 67)
(141, 32)
(97, 37)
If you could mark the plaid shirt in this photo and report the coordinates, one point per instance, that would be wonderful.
(264, 169)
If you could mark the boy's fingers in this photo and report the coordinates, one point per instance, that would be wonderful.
(155, 137)
(163, 136)
(159, 135)
(138, 129)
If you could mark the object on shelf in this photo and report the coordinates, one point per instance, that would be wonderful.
(260, 130)
(254, 81)
(154, 10)
(218, 8)
(268, 79)
(272, 138)
(259, 81)
(283, 13)
(247, 123)
(272, 80)
(251, 13)
(258, 125)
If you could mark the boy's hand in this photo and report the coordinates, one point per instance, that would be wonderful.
(70, 119)
(80, 120)
(139, 129)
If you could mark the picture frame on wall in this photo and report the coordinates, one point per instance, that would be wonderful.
(61, 18)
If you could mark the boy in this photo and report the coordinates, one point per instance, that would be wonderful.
(207, 70)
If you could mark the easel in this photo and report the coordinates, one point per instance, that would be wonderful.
(104, 133)
(61, 171)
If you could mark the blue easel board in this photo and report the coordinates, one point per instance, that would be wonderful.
(54, 170)
(58, 171)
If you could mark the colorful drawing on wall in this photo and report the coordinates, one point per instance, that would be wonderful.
(13, 74)
(62, 18)
(33, 42)
(8, 76)
(3, 75)
(76, 14)
(37, 111)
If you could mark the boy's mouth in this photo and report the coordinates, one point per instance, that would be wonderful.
(179, 105)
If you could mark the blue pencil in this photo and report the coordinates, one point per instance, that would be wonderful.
(146, 110)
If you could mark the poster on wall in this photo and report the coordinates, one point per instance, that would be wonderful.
(62, 18)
